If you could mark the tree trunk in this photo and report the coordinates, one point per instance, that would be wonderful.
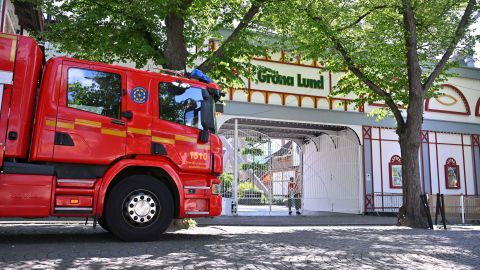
(412, 213)
(175, 48)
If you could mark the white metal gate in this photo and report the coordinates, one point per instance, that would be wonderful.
(265, 169)
(321, 174)
(332, 175)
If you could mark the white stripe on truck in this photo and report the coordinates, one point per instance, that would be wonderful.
(6, 77)
(1, 96)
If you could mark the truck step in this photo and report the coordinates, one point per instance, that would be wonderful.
(76, 183)
(73, 210)
(74, 196)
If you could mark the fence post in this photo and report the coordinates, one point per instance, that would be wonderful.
(462, 206)
(426, 207)
(442, 212)
(235, 167)
(437, 209)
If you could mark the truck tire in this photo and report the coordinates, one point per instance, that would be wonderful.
(139, 208)
(101, 221)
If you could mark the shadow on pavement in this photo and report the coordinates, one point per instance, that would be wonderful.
(236, 247)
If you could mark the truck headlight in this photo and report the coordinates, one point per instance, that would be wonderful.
(216, 189)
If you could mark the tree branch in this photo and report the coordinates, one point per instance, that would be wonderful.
(208, 64)
(361, 76)
(185, 5)
(148, 36)
(414, 71)
(361, 17)
(462, 26)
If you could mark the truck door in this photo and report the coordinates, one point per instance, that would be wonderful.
(139, 113)
(8, 45)
(90, 127)
(176, 126)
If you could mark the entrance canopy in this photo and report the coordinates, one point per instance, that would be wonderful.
(282, 129)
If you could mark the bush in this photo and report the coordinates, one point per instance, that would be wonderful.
(227, 184)
(254, 166)
(246, 188)
(252, 151)
(227, 179)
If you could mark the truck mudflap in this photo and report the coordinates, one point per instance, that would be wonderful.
(216, 205)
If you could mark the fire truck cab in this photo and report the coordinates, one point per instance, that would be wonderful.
(130, 148)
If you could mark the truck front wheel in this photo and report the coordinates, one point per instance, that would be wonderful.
(139, 208)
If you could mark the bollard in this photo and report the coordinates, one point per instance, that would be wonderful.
(462, 207)
(234, 208)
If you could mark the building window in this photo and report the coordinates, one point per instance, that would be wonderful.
(95, 91)
(395, 170)
(180, 105)
(452, 174)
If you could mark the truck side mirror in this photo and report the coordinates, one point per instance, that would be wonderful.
(219, 107)
(206, 120)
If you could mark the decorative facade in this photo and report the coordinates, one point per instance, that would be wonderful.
(298, 91)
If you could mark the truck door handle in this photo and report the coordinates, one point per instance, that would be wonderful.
(127, 114)
(118, 122)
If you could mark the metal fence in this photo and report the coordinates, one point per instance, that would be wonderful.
(387, 202)
(280, 175)
(459, 209)
(264, 166)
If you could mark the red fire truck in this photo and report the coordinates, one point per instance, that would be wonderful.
(131, 149)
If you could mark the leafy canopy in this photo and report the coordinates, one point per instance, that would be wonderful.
(373, 35)
(137, 31)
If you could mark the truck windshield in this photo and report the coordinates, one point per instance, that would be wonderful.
(181, 105)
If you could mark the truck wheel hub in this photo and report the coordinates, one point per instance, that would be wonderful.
(141, 207)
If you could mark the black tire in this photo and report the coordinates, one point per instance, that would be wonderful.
(102, 222)
(127, 204)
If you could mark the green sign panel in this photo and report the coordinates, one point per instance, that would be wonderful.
(276, 78)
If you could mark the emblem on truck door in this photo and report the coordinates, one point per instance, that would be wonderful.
(139, 95)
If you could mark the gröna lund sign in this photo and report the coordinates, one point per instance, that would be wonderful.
(276, 78)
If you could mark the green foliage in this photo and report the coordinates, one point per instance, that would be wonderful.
(256, 140)
(226, 179)
(252, 151)
(245, 188)
(256, 167)
(123, 31)
(372, 33)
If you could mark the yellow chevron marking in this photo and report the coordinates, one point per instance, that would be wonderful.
(185, 138)
(65, 125)
(162, 140)
(88, 123)
(203, 146)
(113, 132)
(8, 36)
(13, 50)
(50, 123)
(140, 131)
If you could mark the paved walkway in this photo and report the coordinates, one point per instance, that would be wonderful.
(319, 219)
(309, 219)
(73, 246)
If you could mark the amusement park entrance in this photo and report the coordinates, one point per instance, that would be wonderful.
(277, 168)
